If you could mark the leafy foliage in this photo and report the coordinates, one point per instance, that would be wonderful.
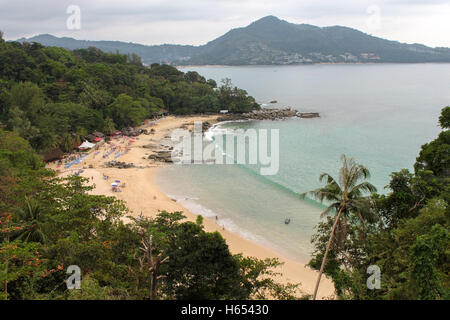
(50, 95)
(410, 240)
(49, 223)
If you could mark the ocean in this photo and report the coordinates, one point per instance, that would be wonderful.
(380, 114)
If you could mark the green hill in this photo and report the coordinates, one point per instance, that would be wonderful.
(271, 41)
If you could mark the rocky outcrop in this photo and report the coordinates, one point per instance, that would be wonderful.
(119, 165)
(206, 125)
(132, 132)
(267, 114)
(161, 156)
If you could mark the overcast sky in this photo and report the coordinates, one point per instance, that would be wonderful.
(199, 21)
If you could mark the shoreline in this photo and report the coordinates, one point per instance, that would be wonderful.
(142, 195)
(300, 64)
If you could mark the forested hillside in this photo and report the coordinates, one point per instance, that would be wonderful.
(271, 41)
(51, 96)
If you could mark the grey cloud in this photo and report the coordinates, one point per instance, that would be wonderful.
(198, 21)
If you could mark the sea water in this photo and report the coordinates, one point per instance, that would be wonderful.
(379, 114)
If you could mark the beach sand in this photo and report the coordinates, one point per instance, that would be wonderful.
(141, 194)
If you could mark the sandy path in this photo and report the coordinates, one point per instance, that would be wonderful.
(142, 195)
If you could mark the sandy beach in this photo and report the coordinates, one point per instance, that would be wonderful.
(142, 195)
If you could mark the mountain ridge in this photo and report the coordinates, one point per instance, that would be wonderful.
(269, 41)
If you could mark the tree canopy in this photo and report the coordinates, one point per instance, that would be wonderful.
(49, 223)
(50, 93)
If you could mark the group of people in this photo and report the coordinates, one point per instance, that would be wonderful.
(118, 150)
(115, 186)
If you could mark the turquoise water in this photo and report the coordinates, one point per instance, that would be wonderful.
(378, 114)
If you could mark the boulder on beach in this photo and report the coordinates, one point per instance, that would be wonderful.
(162, 156)
(206, 125)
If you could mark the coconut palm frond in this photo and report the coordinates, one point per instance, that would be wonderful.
(322, 194)
(334, 206)
(356, 173)
(32, 218)
(343, 172)
(329, 179)
(360, 189)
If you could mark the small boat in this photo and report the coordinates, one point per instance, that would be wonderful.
(287, 221)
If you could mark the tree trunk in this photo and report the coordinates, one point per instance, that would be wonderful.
(324, 260)
(154, 285)
(7, 267)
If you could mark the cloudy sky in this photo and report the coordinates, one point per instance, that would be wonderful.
(199, 21)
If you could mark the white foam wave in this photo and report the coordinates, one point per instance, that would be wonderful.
(217, 129)
(226, 223)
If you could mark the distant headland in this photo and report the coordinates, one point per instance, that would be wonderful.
(270, 41)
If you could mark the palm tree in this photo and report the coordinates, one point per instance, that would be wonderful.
(31, 217)
(347, 200)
